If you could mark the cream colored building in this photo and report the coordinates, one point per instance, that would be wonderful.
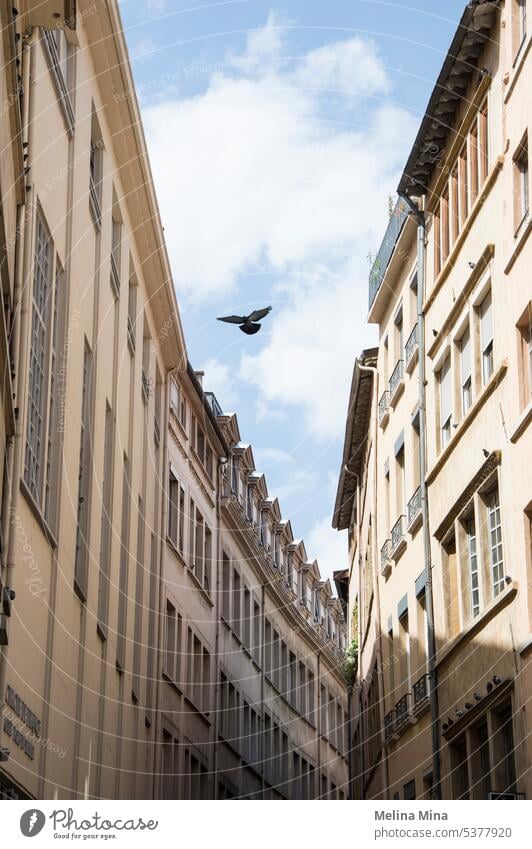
(252, 696)
(459, 512)
(99, 331)
(169, 638)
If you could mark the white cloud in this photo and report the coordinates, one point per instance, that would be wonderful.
(307, 361)
(259, 174)
(328, 547)
(349, 66)
(252, 171)
(219, 379)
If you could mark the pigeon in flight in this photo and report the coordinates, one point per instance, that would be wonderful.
(248, 323)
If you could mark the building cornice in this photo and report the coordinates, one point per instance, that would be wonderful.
(106, 41)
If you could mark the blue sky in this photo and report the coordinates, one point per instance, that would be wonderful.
(277, 133)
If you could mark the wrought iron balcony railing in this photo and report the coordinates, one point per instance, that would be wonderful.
(396, 378)
(389, 724)
(391, 237)
(414, 506)
(131, 335)
(401, 710)
(385, 555)
(115, 278)
(398, 533)
(411, 345)
(420, 690)
(384, 405)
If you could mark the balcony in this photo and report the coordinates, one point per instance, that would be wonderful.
(389, 726)
(146, 386)
(397, 221)
(413, 511)
(398, 541)
(397, 382)
(420, 693)
(386, 562)
(384, 409)
(411, 350)
(401, 711)
(156, 431)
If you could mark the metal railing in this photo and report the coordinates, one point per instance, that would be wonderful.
(397, 221)
(385, 554)
(146, 386)
(401, 710)
(420, 690)
(398, 532)
(414, 506)
(115, 277)
(396, 378)
(389, 724)
(94, 199)
(131, 335)
(384, 404)
(411, 345)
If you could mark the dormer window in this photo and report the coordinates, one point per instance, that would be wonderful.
(317, 606)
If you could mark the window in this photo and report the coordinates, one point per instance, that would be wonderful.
(173, 629)
(43, 365)
(524, 337)
(106, 523)
(409, 790)
(96, 173)
(473, 566)
(226, 587)
(459, 769)
(486, 338)
(85, 466)
(116, 248)
(236, 602)
(132, 316)
(124, 567)
(483, 758)
(445, 402)
(519, 24)
(522, 185)
(174, 397)
(495, 541)
(465, 371)
(466, 175)
(176, 512)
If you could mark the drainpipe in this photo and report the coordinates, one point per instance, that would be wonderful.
(429, 596)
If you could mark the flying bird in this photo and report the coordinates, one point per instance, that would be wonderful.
(248, 323)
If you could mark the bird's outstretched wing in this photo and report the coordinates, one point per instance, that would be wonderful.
(233, 319)
(258, 314)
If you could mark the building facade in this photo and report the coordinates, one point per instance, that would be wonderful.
(253, 699)
(448, 425)
(168, 637)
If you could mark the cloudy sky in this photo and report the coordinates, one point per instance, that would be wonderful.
(277, 133)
